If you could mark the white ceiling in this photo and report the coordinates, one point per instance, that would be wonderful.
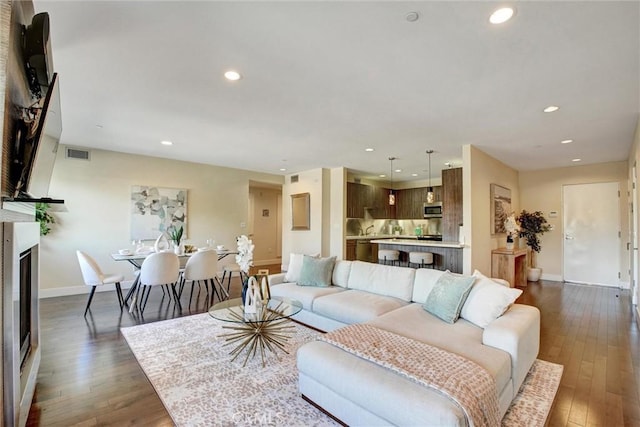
(322, 81)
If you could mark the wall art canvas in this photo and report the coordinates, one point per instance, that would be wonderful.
(500, 207)
(155, 209)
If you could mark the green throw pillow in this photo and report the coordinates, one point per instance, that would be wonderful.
(316, 271)
(448, 296)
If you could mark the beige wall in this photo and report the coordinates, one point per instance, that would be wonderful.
(304, 241)
(478, 172)
(542, 191)
(97, 197)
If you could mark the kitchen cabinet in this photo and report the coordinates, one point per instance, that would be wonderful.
(351, 250)
(409, 202)
(359, 197)
(451, 204)
(381, 208)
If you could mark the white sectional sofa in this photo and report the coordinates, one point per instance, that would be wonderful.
(359, 392)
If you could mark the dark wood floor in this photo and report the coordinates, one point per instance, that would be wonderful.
(88, 375)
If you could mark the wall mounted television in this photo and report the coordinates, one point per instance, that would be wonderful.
(36, 147)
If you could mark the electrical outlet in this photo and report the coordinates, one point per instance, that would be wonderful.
(243, 225)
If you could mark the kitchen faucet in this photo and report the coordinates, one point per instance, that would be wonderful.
(366, 231)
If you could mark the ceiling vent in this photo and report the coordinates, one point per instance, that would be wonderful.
(77, 153)
(294, 178)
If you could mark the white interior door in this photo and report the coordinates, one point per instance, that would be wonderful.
(591, 233)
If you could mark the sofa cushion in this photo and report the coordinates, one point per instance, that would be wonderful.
(353, 306)
(462, 337)
(294, 267)
(382, 279)
(305, 294)
(316, 271)
(341, 271)
(448, 296)
(487, 300)
(424, 282)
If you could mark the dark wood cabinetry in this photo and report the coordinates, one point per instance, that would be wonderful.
(381, 208)
(359, 197)
(451, 204)
(409, 202)
(351, 250)
(375, 200)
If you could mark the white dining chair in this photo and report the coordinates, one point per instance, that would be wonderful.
(230, 269)
(203, 267)
(158, 269)
(94, 277)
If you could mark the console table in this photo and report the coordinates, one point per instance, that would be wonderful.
(510, 265)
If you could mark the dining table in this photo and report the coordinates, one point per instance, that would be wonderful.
(136, 258)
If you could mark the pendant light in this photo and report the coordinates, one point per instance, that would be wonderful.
(430, 195)
(392, 197)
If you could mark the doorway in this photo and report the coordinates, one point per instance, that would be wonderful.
(265, 223)
(591, 219)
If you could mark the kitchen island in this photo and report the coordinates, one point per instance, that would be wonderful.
(446, 255)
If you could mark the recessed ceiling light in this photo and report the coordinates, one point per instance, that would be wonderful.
(551, 109)
(398, 170)
(576, 160)
(382, 176)
(166, 142)
(414, 174)
(501, 15)
(566, 141)
(282, 169)
(232, 75)
(368, 150)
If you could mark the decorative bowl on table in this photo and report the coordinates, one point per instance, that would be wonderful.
(189, 249)
(124, 251)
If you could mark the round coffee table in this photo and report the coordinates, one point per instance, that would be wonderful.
(266, 331)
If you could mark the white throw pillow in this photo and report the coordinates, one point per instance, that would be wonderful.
(487, 301)
(294, 268)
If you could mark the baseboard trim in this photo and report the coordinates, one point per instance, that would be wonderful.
(268, 262)
(551, 277)
(79, 290)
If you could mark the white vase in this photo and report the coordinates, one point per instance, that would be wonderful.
(533, 274)
(509, 245)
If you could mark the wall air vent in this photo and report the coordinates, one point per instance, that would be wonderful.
(294, 178)
(77, 153)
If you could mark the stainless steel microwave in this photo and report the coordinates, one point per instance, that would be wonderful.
(432, 210)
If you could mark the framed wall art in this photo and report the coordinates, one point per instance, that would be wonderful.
(300, 211)
(155, 209)
(500, 207)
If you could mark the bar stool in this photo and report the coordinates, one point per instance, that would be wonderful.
(421, 259)
(388, 255)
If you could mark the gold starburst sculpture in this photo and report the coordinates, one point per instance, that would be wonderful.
(266, 331)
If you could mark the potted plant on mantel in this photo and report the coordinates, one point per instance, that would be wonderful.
(532, 225)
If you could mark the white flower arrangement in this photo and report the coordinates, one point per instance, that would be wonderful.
(511, 225)
(244, 258)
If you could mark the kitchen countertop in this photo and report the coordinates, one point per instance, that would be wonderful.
(415, 242)
(382, 236)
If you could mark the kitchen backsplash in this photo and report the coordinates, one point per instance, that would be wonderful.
(360, 227)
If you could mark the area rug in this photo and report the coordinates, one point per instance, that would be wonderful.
(199, 385)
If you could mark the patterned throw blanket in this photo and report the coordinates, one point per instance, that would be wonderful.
(461, 379)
